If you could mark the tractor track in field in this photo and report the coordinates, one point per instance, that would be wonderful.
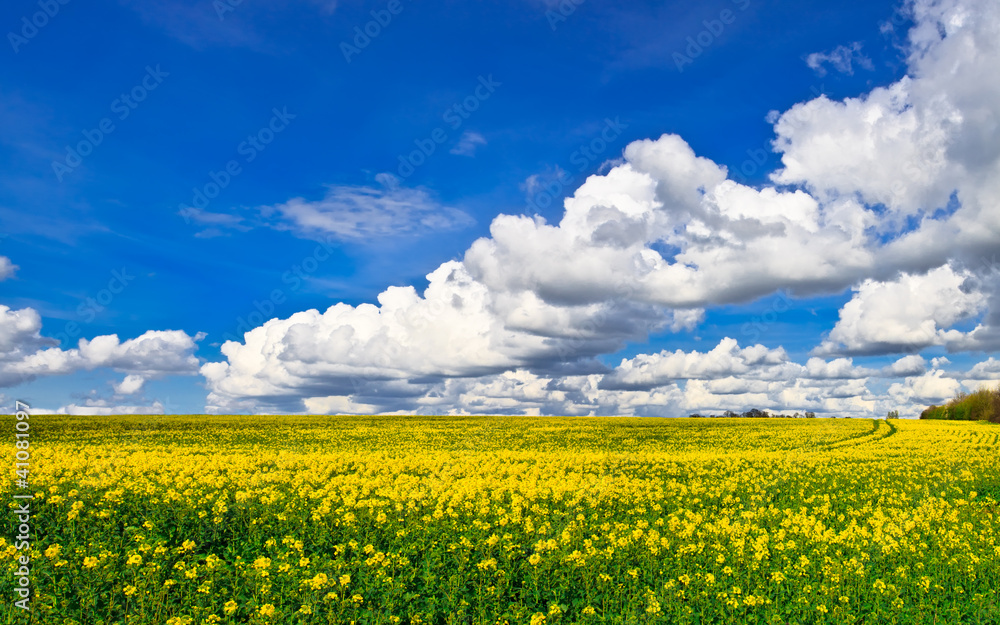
(881, 430)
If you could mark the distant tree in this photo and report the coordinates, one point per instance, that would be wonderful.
(893, 414)
(810, 415)
(981, 405)
(696, 416)
(934, 412)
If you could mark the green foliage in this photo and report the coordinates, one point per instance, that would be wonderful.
(938, 413)
(983, 405)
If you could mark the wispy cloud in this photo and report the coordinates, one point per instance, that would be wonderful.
(842, 58)
(364, 212)
(466, 146)
(216, 224)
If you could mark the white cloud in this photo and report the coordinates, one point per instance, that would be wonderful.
(838, 369)
(130, 385)
(365, 212)
(913, 144)
(893, 193)
(905, 367)
(988, 369)
(647, 371)
(104, 407)
(685, 383)
(468, 143)
(933, 387)
(217, 224)
(25, 354)
(456, 328)
(842, 58)
(879, 145)
(19, 332)
(910, 312)
(7, 268)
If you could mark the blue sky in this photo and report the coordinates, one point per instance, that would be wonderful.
(242, 162)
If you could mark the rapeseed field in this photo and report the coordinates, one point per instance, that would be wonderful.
(184, 520)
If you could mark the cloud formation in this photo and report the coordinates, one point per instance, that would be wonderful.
(893, 194)
(26, 355)
(103, 407)
(842, 58)
(354, 212)
(7, 268)
(908, 313)
(131, 385)
(468, 143)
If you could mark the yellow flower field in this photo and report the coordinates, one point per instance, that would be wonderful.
(192, 519)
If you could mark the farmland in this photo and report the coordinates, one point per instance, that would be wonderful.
(193, 519)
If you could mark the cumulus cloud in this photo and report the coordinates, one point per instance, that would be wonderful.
(456, 328)
(19, 332)
(535, 294)
(7, 268)
(842, 58)
(917, 144)
(933, 387)
(908, 313)
(25, 354)
(647, 371)
(130, 385)
(892, 193)
(697, 382)
(988, 369)
(104, 407)
(905, 367)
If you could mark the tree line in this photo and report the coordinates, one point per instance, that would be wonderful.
(754, 413)
(983, 405)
